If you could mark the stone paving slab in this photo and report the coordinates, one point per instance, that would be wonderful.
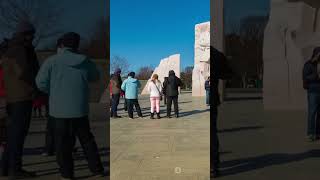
(264, 145)
(165, 149)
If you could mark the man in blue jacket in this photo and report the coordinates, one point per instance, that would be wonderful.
(65, 77)
(131, 88)
(311, 82)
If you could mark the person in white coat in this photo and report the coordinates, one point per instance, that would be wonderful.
(155, 89)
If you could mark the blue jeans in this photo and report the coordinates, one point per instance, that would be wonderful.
(208, 97)
(313, 113)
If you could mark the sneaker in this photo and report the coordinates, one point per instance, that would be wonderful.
(116, 117)
(168, 116)
(21, 174)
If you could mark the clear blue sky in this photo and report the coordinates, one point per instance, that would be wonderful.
(237, 9)
(79, 16)
(145, 31)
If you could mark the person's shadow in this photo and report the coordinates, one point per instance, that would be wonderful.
(245, 128)
(193, 112)
(253, 163)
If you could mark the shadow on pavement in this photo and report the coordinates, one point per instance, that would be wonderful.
(246, 128)
(189, 113)
(242, 98)
(253, 163)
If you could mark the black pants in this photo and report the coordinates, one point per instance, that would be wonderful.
(131, 103)
(115, 103)
(50, 137)
(173, 99)
(50, 142)
(19, 115)
(214, 140)
(165, 99)
(125, 105)
(65, 131)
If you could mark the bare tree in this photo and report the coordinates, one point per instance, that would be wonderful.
(186, 77)
(244, 46)
(97, 46)
(44, 15)
(119, 62)
(144, 73)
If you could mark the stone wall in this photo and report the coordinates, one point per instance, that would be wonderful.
(201, 70)
(292, 32)
(166, 64)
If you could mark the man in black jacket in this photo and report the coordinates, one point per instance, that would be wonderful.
(311, 83)
(220, 70)
(172, 91)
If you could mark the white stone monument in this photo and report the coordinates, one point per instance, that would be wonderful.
(292, 32)
(166, 64)
(201, 70)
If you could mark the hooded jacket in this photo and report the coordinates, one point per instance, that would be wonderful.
(172, 85)
(131, 88)
(65, 77)
(116, 83)
(20, 67)
(311, 79)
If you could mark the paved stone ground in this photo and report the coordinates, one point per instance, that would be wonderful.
(165, 149)
(265, 145)
(46, 167)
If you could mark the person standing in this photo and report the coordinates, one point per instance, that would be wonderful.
(207, 88)
(164, 91)
(220, 71)
(311, 82)
(155, 87)
(172, 92)
(3, 115)
(69, 104)
(116, 83)
(20, 67)
(131, 88)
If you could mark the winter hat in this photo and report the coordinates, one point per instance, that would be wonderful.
(25, 27)
(132, 74)
(171, 73)
(117, 71)
(59, 42)
(71, 40)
